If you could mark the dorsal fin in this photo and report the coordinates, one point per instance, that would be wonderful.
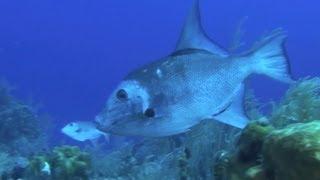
(194, 37)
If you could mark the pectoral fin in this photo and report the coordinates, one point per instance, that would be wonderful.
(234, 114)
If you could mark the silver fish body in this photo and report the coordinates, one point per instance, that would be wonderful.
(83, 131)
(198, 81)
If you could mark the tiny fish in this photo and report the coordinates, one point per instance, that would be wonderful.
(83, 131)
(199, 80)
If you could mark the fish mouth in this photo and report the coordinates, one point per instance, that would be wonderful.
(104, 129)
(110, 123)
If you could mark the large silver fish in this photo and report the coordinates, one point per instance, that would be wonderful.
(199, 80)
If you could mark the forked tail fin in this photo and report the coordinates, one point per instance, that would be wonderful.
(269, 57)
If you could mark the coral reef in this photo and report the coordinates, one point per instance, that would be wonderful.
(20, 134)
(186, 156)
(12, 166)
(251, 140)
(253, 107)
(246, 157)
(300, 104)
(293, 152)
(70, 162)
(287, 148)
(65, 162)
(36, 168)
(290, 153)
(18, 122)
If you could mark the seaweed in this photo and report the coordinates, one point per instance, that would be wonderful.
(253, 107)
(293, 152)
(301, 103)
(289, 150)
(65, 162)
(185, 156)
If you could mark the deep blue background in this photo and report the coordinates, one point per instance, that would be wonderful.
(69, 54)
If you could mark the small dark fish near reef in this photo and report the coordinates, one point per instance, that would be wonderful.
(199, 80)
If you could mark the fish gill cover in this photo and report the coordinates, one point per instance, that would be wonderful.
(280, 141)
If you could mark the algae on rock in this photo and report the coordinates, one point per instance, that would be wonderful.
(293, 153)
(290, 153)
(242, 162)
(65, 162)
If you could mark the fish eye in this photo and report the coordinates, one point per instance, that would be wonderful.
(149, 113)
(122, 94)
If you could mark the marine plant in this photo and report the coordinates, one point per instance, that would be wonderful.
(17, 119)
(36, 167)
(185, 156)
(69, 162)
(243, 161)
(251, 140)
(252, 106)
(11, 166)
(21, 130)
(293, 152)
(184, 168)
(65, 162)
(301, 103)
(288, 148)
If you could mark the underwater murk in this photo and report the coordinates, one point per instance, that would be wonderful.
(193, 114)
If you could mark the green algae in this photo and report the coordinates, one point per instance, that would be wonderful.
(293, 153)
(301, 103)
(65, 162)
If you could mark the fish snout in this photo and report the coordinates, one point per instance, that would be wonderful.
(103, 127)
(105, 124)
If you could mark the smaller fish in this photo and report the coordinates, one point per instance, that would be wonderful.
(83, 131)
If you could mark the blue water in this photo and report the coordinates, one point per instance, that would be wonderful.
(69, 55)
